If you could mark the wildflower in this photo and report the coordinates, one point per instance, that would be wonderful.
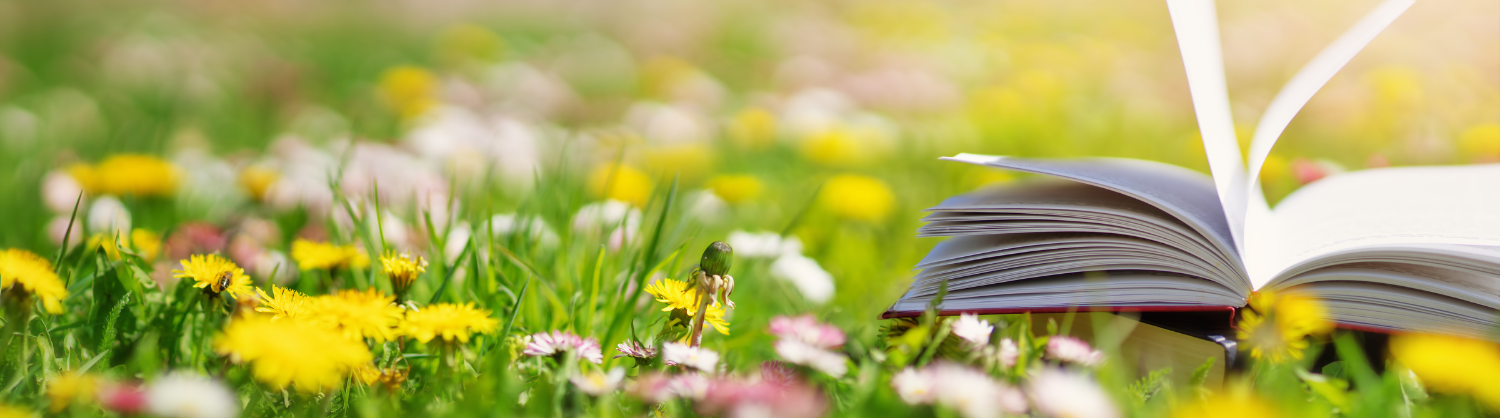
(449, 321)
(410, 91)
(108, 216)
(60, 191)
(622, 183)
(778, 372)
(1227, 405)
(753, 128)
(533, 228)
(680, 300)
(322, 255)
(186, 395)
(403, 270)
(914, 386)
(736, 189)
(1276, 326)
(1308, 171)
(699, 358)
(970, 392)
(67, 388)
(7, 411)
(857, 197)
(734, 398)
(634, 349)
(807, 329)
(283, 353)
(805, 341)
(1063, 394)
(257, 180)
(33, 275)
(1009, 353)
(216, 275)
(127, 174)
(1481, 142)
(814, 283)
(658, 388)
(358, 314)
(1452, 364)
(765, 244)
(545, 345)
(282, 302)
(596, 383)
(144, 243)
(390, 378)
(1072, 350)
(972, 329)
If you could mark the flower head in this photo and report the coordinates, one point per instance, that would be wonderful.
(358, 314)
(132, 174)
(322, 255)
(557, 342)
(635, 349)
(390, 378)
(403, 270)
(282, 302)
(678, 297)
(1452, 364)
(1072, 350)
(1009, 353)
(807, 329)
(1063, 394)
(736, 189)
(1231, 404)
(284, 353)
(675, 354)
(857, 197)
(596, 383)
(67, 388)
(449, 321)
(186, 395)
(33, 275)
(915, 386)
(972, 329)
(1277, 325)
(621, 182)
(216, 274)
(410, 91)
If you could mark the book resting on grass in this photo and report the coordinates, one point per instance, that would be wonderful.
(1390, 249)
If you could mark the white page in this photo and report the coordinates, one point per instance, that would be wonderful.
(1197, 27)
(1382, 207)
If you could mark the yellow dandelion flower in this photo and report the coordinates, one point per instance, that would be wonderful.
(1481, 142)
(258, 180)
(449, 321)
(216, 274)
(857, 197)
(69, 387)
(390, 378)
(834, 147)
(285, 353)
(324, 256)
(127, 174)
(282, 303)
(753, 128)
(7, 411)
(143, 243)
(356, 313)
(1452, 364)
(677, 296)
(35, 277)
(621, 182)
(403, 270)
(1277, 326)
(736, 189)
(410, 91)
(1238, 404)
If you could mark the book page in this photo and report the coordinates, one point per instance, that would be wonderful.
(1185, 194)
(1197, 27)
(1382, 207)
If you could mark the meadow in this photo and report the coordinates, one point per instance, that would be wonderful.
(647, 207)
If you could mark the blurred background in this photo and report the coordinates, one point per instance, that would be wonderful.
(821, 118)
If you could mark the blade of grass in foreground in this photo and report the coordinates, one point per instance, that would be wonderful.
(624, 309)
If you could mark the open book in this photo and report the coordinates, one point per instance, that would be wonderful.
(1410, 248)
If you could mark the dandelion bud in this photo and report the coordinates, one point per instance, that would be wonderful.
(403, 270)
(716, 259)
